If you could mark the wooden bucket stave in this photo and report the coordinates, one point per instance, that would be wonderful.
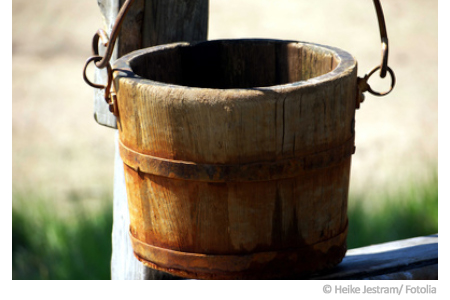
(237, 156)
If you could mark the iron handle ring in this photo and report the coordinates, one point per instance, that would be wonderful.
(364, 85)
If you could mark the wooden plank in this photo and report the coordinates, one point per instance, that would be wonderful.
(409, 259)
(415, 258)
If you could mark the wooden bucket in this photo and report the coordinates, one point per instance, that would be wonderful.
(237, 156)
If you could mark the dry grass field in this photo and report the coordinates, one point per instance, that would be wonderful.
(58, 148)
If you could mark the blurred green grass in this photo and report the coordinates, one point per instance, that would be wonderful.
(48, 244)
(77, 244)
(409, 211)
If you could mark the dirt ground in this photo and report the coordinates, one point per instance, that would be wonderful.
(58, 147)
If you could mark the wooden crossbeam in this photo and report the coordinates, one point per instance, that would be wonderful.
(415, 258)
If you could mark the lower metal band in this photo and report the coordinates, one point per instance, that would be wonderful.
(310, 258)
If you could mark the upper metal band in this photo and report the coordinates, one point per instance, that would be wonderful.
(259, 171)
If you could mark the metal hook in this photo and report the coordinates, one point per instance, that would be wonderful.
(108, 85)
(113, 37)
(95, 59)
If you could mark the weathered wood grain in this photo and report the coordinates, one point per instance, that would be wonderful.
(272, 224)
(171, 21)
(124, 265)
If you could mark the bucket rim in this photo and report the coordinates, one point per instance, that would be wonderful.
(346, 63)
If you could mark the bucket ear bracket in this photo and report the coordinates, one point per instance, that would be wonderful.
(364, 86)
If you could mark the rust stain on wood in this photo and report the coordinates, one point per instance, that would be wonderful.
(232, 172)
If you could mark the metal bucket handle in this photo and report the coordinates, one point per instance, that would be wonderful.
(104, 62)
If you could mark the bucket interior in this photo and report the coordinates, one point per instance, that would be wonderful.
(227, 64)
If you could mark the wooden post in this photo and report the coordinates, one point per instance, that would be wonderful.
(148, 23)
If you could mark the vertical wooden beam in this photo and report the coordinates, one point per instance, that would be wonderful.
(131, 34)
(148, 23)
(157, 22)
(174, 20)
